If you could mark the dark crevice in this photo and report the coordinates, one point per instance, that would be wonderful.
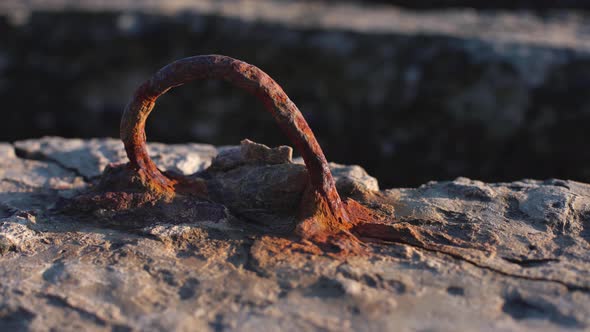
(18, 183)
(217, 324)
(6, 210)
(325, 287)
(585, 221)
(241, 255)
(519, 308)
(189, 289)
(456, 291)
(57, 301)
(530, 262)
(251, 264)
(18, 319)
(6, 248)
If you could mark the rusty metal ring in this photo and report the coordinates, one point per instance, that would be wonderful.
(247, 77)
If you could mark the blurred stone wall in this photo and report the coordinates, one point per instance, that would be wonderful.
(495, 4)
(409, 107)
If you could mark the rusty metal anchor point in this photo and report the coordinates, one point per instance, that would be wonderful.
(324, 219)
(323, 213)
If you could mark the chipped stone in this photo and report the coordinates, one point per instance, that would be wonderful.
(252, 153)
(15, 232)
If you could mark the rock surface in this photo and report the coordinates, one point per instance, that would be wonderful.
(504, 257)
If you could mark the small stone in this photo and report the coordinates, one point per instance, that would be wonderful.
(255, 152)
(351, 178)
(251, 153)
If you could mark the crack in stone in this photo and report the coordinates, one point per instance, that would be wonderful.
(449, 252)
(22, 154)
(251, 263)
(526, 263)
(59, 301)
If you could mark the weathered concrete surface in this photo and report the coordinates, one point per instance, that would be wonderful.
(531, 271)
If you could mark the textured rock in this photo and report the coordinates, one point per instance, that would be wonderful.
(89, 158)
(351, 178)
(251, 153)
(490, 256)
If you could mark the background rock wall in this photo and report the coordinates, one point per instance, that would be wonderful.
(410, 96)
(497, 4)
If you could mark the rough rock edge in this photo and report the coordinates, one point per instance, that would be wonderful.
(551, 215)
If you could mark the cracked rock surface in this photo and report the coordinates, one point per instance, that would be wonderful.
(503, 257)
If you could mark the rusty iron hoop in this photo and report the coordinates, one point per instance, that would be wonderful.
(247, 77)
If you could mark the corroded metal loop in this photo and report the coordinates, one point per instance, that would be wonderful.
(247, 77)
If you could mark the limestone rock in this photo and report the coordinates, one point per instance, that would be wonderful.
(350, 179)
(16, 234)
(487, 256)
(89, 158)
